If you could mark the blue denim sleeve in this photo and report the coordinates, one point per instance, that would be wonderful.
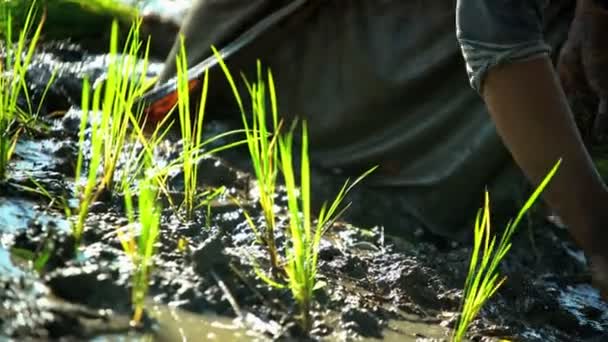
(493, 32)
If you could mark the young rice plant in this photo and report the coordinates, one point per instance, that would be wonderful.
(305, 235)
(263, 151)
(120, 93)
(142, 249)
(17, 60)
(192, 135)
(194, 148)
(483, 279)
(300, 264)
(108, 131)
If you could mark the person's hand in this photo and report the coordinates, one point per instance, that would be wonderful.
(597, 258)
(593, 243)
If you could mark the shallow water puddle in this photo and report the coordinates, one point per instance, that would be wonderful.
(17, 214)
(584, 302)
(411, 329)
(33, 155)
(7, 268)
(179, 325)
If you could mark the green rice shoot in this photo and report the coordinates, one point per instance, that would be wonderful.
(87, 191)
(136, 161)
(120, 94)
(142, 249)
(13, 118)
(194, 147)
(263, 151)
(304, 234)
(483, 278)
(300, 263)
(113, 104)
(191, 133)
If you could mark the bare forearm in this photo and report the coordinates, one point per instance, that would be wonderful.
(533, 118)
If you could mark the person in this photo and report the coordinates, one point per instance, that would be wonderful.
(444, 115)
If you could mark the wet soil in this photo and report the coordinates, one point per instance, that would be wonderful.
(377, 286)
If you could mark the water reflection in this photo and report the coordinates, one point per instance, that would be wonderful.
(17, 214)
(180, 325)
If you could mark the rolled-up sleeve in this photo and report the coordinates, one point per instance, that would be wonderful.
(493, 32)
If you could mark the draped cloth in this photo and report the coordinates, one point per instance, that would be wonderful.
(379, 82)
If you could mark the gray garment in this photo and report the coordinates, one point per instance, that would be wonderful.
(379, 82)
(493, 32)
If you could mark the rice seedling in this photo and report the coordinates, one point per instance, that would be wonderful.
(135, 161)
(108, 130)
(304, 234)
(263, 151)
(8, 133)
(16, 62)
(86, 192)
(271, 151)
(142, 250)
(194, 147)
(191, 134)
(483, 279)
(120, 93)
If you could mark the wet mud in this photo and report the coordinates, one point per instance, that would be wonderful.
(377, 286)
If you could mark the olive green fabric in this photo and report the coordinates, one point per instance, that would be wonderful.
(379, 82)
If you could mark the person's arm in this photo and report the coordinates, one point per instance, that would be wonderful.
(532, 116)
(509, 65)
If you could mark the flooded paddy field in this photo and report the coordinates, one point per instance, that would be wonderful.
(376, 286)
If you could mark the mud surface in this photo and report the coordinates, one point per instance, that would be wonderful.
(377, 286)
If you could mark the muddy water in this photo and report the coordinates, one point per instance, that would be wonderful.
(583, 302)
(179, 325)
(17, 214)
(7, 268)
